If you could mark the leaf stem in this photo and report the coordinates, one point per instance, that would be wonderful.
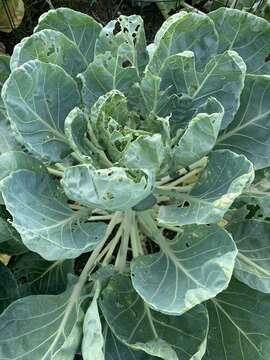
(122, 254)
(191, 8)
(100, 217)
(201, 163)
(150, 228)
(185, 177)
(84, 275)
(112, 246)
(135, 239)
(100, 153)
(55, 172)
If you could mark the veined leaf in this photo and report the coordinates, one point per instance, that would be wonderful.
(248, 132)
(184, 31)
(38, 98)
(147, 97)
(115, 349)
(80, 28)
(220, 183)
(125, 37)
(9, 290)
(104, 74)
(193, 267)
(8, 142)
(200, 136)
(111, 189)
(167, 337)
(239, 324)
(37, 276)
(252, 265)
(17, 160)
(147, 152)
(222, 78)
(43, 218)
(49, 46)
(10, 241)
(246, 34)
(44, 326)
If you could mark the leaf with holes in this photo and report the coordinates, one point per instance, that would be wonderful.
(220, 183)
(193, 267)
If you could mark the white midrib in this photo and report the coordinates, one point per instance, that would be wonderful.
(253, 264)
(238, 128)
(236, 326)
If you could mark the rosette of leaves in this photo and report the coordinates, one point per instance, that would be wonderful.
(150, 165)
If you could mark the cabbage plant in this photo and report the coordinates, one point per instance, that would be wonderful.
(135, 189)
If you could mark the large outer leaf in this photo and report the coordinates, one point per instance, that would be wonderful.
(168, 337)
(239, 324)
(193, 267)
(125, 36)
(252, 265)
(111, 189)
(38, 98)
(43, 218)
(104, 74)
(245, 33)
(51, 47)
(200, 136)
(248, 133)
(181, 32)
(17, 160)
(9, 290)
(10, 241)
(45, 327)
(7, 139)
(223, 78)
(38, 276)
(220, 183)
(115, 349)
(78, 27)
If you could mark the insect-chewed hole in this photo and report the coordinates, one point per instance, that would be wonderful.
(117, 28)
(126, 64)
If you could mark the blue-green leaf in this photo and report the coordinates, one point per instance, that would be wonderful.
(38, 98)
(44, 220)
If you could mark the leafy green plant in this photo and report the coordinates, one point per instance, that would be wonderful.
(149, 166)
(258, 7)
